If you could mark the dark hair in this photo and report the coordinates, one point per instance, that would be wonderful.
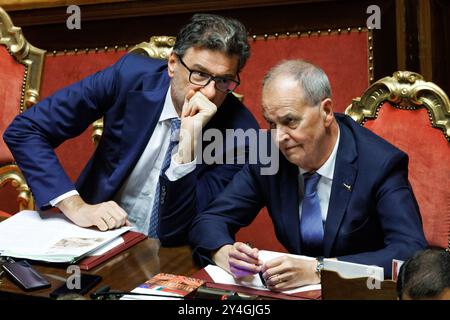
(312, 80)
(214, 32)
(425, 275)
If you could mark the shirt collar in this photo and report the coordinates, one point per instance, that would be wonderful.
(168, 111)
(327, 169)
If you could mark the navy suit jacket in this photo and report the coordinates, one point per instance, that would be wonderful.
(130, 96)
(374, 222)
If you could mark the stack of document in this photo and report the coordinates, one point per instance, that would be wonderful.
(51, 237)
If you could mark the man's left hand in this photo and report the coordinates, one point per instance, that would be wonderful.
(286, 273)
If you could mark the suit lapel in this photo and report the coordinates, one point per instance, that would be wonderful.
(345, 171)
(143, 109)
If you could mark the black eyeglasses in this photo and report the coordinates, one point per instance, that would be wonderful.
(200, 78)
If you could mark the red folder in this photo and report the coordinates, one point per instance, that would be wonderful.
(307, 295)
(130, 239)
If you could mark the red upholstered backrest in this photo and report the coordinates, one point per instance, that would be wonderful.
(429, 166)
(11, 79)
(61, 71)
(343, 57)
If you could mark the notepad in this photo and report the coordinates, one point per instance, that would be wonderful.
(51, 237)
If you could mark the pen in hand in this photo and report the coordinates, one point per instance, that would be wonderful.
(260, 274)
(262, 278)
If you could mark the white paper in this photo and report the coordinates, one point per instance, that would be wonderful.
(219, 275)
(351, 270)
(49, 236)
(108, 247)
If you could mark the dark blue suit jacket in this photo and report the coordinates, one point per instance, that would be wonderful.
(374, 222)
(130, 96)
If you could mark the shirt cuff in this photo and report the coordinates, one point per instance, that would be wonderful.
(66, 195)
(179, 170)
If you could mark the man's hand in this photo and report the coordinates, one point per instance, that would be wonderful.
(239, 259)
(197, 111)
(285, 273)
(105, 216)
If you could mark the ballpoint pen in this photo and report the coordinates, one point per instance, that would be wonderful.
(262, 278)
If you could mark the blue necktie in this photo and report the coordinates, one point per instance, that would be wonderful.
(174, 136)
(311, 227)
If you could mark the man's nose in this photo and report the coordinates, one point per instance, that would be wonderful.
(209, 90)
(281, 135)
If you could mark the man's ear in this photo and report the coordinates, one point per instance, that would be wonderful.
(171, 63)
(326, 110)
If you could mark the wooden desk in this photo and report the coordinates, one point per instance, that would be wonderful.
(123, 272)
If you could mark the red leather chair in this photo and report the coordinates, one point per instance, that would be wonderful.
(414, 115)
(21, 69)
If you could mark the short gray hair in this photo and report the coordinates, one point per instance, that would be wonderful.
(214, 32)
(312, 80)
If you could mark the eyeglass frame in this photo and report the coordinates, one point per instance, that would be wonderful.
(211, 78)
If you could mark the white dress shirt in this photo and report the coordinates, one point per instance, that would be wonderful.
(326, 172)
(137, 194)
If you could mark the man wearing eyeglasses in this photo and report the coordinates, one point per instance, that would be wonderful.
(140, 173)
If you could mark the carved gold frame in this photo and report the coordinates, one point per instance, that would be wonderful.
(33, 60)
(31, 57)
(405, 90)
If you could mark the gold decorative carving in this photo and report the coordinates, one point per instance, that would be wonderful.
(33, 60)
(159, 47)
(405, 90)
(12, 174)
(31, 57)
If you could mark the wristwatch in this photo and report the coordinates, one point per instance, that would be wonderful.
(319, 266)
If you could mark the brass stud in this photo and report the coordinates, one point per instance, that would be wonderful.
(359, 29)
(54, 52)
(349, 29)
(106, 48)
(76, 50)
(309, 33)
(370, 38)
(318, 32)
(329, 30)
(86, 50)
(299, 33)
(65, 51)
(276, 34)
(265, 36)
(96, 50)
(370, 58)
(288, 33)
(126, 46)
(370, 48)
(116, 47)
(370, 68)
(339, 31)
(254, 37)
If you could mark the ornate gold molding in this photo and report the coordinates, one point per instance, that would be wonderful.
(405, 90)
(159, 47)
(12, 174)
(31, 57)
